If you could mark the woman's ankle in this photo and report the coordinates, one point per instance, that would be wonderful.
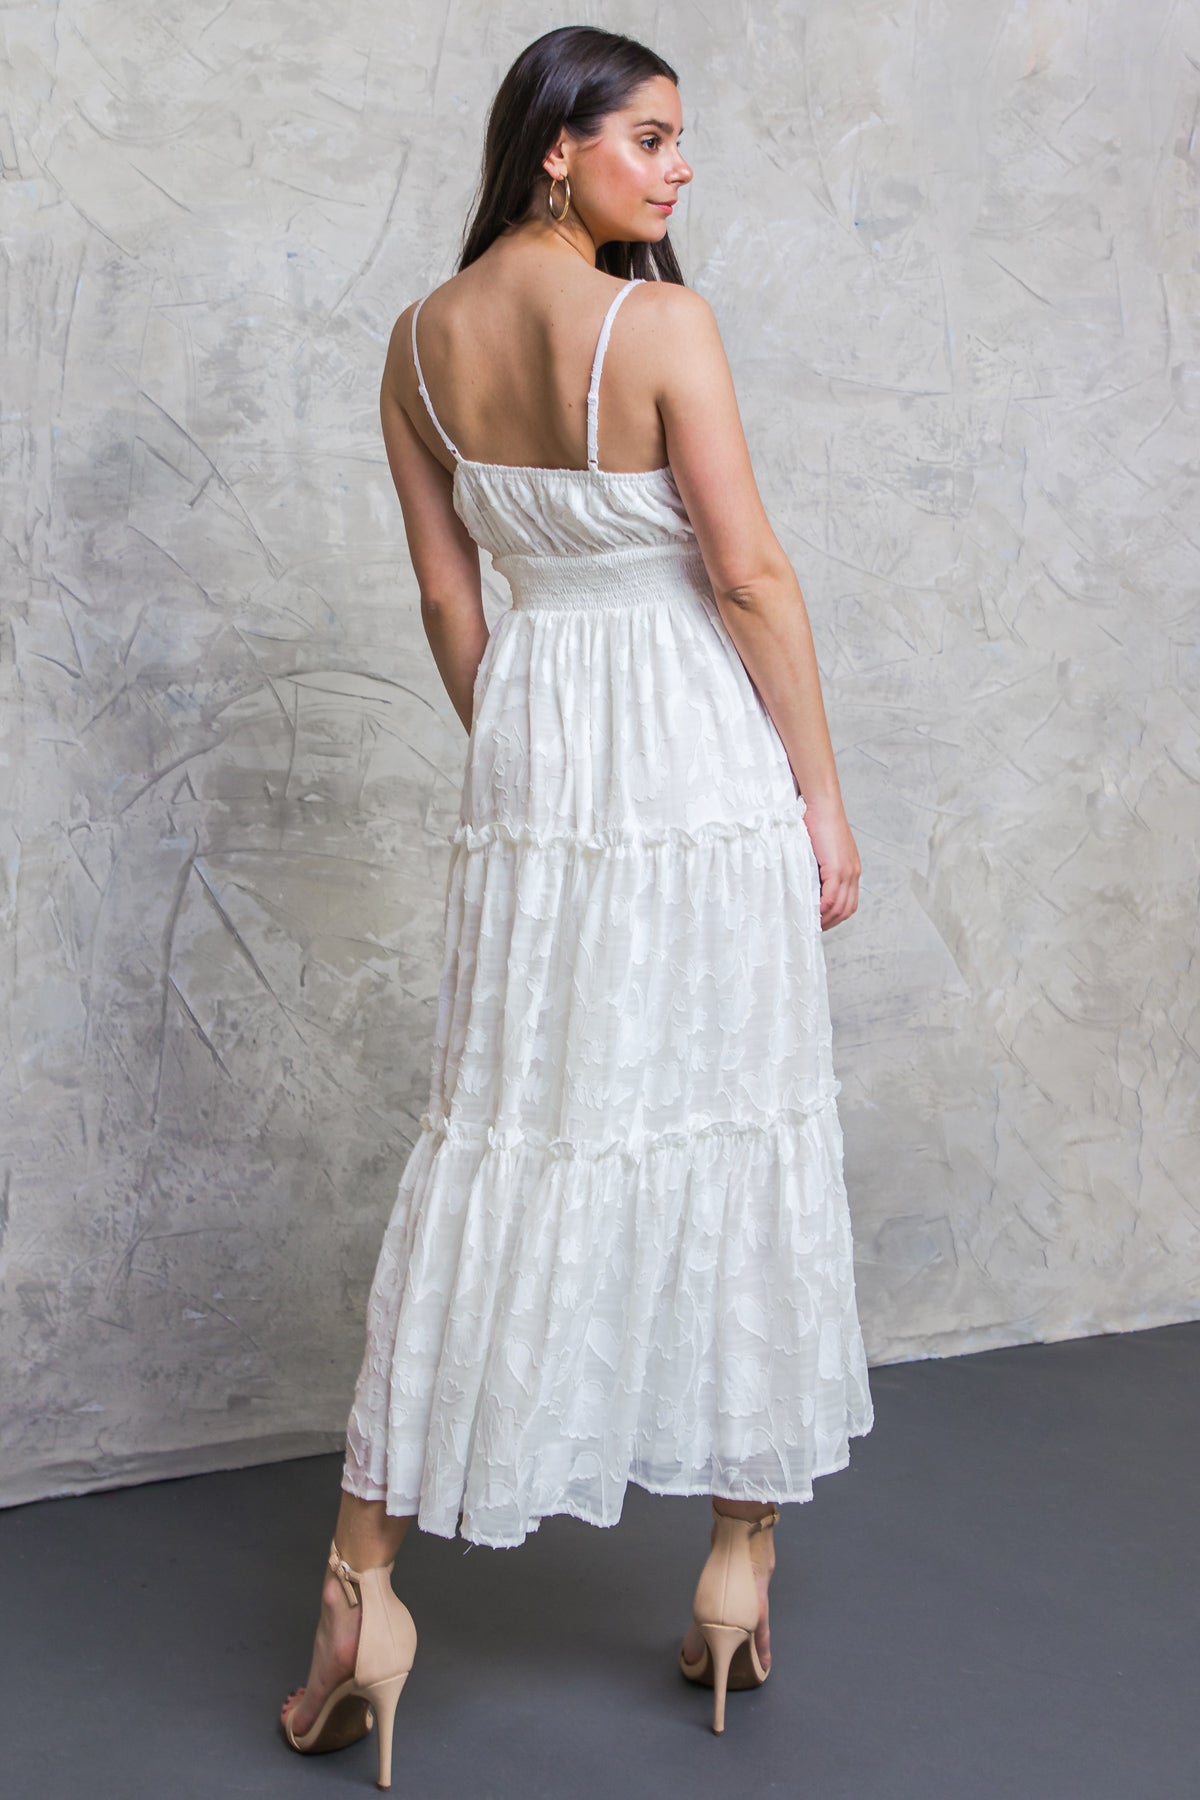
(742, 1509)
(366, 1534)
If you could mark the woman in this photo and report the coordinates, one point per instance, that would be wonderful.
(621, 1248)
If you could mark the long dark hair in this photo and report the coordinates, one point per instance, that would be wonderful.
(572, 76)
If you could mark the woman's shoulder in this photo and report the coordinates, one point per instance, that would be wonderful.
(672, 302)
(674, 323)
(398, 353)
(452, 284)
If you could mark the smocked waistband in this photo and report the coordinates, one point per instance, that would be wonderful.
(605, 578)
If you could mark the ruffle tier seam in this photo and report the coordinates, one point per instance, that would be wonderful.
(467, 836)
(514, 1137)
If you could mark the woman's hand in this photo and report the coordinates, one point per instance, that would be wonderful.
(837, 859)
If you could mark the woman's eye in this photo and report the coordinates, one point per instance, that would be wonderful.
(650, 140)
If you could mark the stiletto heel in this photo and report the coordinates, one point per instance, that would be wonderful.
(384, 1695)
(387, 1646)
(723, 1642)
(725, 1610)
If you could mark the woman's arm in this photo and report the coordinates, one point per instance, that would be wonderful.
(754, 584)
(444, 555)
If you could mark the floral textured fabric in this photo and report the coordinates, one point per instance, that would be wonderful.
(621, 1248)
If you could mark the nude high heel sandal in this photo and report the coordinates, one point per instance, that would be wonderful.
(726, 1610)
(387, 1645)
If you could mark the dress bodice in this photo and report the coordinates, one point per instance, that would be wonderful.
(561, 512)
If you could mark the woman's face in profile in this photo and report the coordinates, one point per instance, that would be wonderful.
(627, 179)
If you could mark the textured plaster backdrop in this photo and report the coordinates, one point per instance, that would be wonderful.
(953, 251)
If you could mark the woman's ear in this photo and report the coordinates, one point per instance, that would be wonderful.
(555, 160)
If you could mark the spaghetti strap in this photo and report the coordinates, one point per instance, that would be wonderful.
(593, 404)
(421, 383)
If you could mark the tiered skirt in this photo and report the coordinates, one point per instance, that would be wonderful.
(621, 1248)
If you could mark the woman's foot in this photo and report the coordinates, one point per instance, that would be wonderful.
(762, 1552)
(334, 1653)
(364, 1530)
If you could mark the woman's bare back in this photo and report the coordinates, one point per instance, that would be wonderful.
(506, 347)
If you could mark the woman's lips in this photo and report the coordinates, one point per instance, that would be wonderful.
(665, 206)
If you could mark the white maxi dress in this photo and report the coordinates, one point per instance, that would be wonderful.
(621, 1248)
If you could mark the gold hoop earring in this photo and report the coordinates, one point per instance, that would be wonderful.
(558, 217)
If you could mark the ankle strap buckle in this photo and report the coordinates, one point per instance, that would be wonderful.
(344, 1573)
(768, 1518)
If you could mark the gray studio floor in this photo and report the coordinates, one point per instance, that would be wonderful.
(997, 1599)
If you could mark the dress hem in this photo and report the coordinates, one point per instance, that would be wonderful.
(567, 1510)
